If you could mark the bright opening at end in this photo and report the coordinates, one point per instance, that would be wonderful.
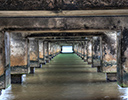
(67, 49)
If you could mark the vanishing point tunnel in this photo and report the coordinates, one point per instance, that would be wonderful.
(34, 35)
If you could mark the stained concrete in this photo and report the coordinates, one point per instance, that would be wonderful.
(66, 77)
(62, 4)
(18, 54)
(4, 60)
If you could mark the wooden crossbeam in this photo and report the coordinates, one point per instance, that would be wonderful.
(112, 12)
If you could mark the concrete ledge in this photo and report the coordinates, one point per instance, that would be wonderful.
(16, 78)
(19, 69)
(34, 64)
(111, 77)
(43, 62)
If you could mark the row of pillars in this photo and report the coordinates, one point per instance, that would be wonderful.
(40, 52)
(92, 51)
(19, 55)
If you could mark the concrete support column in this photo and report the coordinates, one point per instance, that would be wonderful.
(5, 79)
(100, 68)
(92, 42)
(34, 53)
(44, 57)
(50, 51)
(90, 51)
(53, 54)
(41, 56)
(47, 52)
(87, 49)
(58, 49)
(55, 49)
(73, 48)
(96, 52)
(83, 50)
(109, 62)
(122, 58)
(18, 56)
(78, 49)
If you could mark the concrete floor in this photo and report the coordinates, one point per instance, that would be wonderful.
(66, 77)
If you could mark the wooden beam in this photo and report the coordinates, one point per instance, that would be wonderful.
(64, 40)
(115, 12)
(65, 31)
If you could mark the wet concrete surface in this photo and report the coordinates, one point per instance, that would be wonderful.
(66, 77)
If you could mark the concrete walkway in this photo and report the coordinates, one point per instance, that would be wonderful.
(66, 77)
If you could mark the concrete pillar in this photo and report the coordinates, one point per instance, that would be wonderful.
(34, 53)
(18, 55)
(61, 49)
(50, 51)
(47, 52)
(5, 79)
(81, 50)
(78, 49)
(109, 63)
(122, 58)
(73, 48)
(90, 51)
(44, 57)
(100, 67)
(85, 50)
(41, 56)
(87, 45)
(58, 49)
(53, 54)
(96, 51)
